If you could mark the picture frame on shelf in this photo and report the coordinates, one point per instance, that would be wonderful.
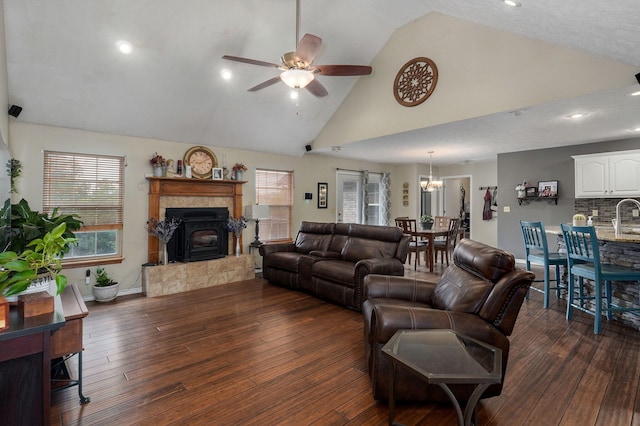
(323, 192)
(216, 173)
(532, 191)
(548, 189)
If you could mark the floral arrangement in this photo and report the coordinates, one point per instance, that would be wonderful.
(157, 160)
(163, 229)
(426, 218)
(239, 167)
(236, 225)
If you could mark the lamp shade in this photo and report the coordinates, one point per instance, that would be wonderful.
(256, 211)
(297, 79)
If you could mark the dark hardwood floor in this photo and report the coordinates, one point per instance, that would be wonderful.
(251, 353)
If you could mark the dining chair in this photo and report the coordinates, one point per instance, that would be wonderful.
(416, 245)
(583, 259)
(441, 221)
(447, 245)
(537, 252)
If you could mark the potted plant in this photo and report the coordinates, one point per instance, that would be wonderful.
(105, 289)
(426, 221)
(21, 225)
(42, 255)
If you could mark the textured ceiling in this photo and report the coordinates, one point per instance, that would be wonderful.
(65, 71)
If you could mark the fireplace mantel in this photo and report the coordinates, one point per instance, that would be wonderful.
(183, 187)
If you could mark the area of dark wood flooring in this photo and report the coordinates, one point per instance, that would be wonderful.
(251, 353)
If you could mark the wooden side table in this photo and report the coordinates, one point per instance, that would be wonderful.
(67, 342)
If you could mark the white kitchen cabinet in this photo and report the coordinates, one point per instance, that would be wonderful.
(608, 175)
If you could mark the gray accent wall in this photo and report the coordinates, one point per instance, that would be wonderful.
(542, 165)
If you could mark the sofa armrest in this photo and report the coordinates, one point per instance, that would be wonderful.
(364, 267)
(268, 248)
(387, 319)
(326, 254)
(505, 299)
(400, 288)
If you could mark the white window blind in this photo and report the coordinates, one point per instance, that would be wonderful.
(274, 188)
(91, 186)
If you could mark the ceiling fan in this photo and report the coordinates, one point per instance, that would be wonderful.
(297, 69)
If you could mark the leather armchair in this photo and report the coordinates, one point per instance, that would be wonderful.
(480, 295)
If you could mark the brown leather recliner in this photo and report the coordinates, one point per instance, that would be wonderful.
(480, 295)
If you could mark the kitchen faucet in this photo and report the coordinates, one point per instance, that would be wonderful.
(617, 226)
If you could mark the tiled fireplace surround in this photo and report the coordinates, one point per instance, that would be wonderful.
(159, 280)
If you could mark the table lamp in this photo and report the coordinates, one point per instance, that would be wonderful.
(256, 212)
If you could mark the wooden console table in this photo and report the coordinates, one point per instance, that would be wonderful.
(67, 342)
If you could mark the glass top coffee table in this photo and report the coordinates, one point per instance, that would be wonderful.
(444, 357)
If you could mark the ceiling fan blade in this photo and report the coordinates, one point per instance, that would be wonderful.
(264, 84)
(308, 48)
(342, 70)
(250, 61)
(317, 89)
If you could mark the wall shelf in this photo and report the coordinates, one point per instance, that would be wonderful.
(527, 200)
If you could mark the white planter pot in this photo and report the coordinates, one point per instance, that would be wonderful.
(105, 294)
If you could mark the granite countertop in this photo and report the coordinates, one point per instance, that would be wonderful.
(605, 233)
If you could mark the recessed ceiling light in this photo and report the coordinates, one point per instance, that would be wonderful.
(636, 93)
(637, 129)
(226, 74)
(576, 115)
(124, 47)
(512, 3)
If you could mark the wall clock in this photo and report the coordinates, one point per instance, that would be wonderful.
(202, 161)
(415, 81)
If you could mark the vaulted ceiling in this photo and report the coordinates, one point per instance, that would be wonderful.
(509, 77)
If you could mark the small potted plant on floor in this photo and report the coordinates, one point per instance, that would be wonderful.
(105, 289)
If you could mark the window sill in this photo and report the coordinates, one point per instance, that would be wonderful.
(71, 264)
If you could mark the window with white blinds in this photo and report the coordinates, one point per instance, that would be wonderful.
(91, 186)
(274, 188)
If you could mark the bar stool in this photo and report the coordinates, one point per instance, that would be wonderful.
(583, 257)
(537, 252)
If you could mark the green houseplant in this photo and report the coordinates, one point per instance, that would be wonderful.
(105, 289)
(426, 221)
(41, 255)
(21, 225)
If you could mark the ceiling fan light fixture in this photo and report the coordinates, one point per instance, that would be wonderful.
(297, 78)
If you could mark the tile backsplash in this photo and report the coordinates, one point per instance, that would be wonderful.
(606, 210)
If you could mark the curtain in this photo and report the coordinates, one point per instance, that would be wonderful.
(365, 196)
(385, 198)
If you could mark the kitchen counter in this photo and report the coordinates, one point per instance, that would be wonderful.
(623, 251)
(605, 233)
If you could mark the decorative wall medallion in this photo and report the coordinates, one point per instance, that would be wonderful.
(415, 81)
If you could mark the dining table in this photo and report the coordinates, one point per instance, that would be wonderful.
(430, 235)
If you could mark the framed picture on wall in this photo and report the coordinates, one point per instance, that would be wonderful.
(322, 195)
(548, 188)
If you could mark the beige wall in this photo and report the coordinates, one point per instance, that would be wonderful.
(4, 91)
(480, 71)
(28, 142)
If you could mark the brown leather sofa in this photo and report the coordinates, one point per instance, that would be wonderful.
(480, 295)
(330, 260)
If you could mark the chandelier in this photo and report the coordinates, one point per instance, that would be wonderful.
(431, 185)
